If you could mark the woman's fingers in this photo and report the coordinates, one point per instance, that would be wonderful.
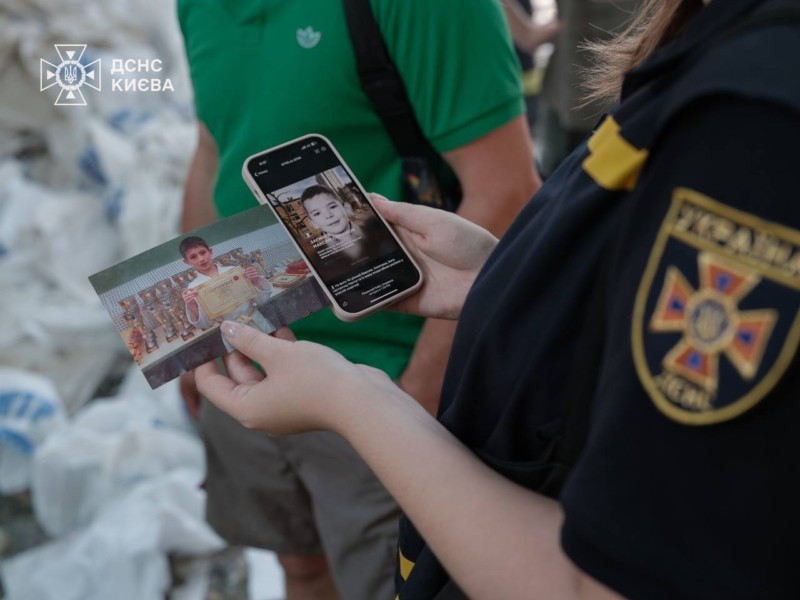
(241, 369)
(228, 395)
(211, 383)
(253, 343)
(415, 218)
(284, 333)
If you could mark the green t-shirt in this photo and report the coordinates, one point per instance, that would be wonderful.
(267, 71)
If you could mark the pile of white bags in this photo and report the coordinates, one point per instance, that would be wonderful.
(115, 482)
(121, 554)
(117, 487)
(82, 187)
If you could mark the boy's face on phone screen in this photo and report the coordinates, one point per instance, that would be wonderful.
(328, 213)
(352, 251)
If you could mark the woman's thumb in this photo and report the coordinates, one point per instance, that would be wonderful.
(251, 342)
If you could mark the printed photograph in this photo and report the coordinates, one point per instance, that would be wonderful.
(168, 302)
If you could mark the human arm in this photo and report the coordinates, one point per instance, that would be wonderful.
(390, 430)
(497, 175)
(198, 192)
(527, 35)
(194, 311)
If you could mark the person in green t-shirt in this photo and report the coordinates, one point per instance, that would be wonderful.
(267, 71)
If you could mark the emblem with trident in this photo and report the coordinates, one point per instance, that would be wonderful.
(70, 74)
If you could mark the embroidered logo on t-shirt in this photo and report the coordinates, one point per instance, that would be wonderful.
(717, 316)
(308, 38)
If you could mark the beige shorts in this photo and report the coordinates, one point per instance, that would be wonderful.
(301, 494)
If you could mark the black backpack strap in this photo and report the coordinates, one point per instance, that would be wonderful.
(381, 81)
(422, 166)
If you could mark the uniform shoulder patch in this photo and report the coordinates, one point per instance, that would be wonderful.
(717, 316)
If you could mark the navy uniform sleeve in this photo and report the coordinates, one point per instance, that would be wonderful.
(685, 487)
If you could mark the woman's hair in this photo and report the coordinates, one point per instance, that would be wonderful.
(656, 22)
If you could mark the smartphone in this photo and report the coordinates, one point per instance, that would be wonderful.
(352, 251)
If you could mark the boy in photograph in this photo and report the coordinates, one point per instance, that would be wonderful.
(343, 242)
(197, 253)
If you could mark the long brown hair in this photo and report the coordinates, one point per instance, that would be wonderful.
(656, 22)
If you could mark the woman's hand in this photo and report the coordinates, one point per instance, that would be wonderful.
(304, 386)
(449, 249)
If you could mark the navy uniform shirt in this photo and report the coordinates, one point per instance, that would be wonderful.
(689, 191)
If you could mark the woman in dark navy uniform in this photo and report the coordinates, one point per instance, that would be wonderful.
(673, 235)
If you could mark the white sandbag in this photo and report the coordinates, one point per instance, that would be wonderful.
(122, 554)
(51, 321)
(59, 237)
(109, 447)
(165, 404)
(264, 575)
(30, 411)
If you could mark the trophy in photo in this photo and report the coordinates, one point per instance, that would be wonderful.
(174, 309)
(244, 261)
(182, 281)
(226, 260)
(257, 257)
(153, 308)
(247, 260)
(140, 338)
(238, 258)
(184, 278)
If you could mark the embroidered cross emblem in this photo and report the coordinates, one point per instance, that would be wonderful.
(711, 322)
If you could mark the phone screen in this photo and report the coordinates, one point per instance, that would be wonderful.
(324, 209)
